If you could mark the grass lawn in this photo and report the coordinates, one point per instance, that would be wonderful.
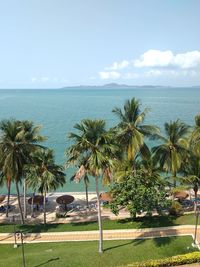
(107, 224)
(75, 254)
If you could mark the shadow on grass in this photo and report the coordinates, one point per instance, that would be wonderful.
(159, 242)
(46, 262)
(137, 223)
(118, 246)
(151, 222)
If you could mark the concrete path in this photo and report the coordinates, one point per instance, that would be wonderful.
(7, 238)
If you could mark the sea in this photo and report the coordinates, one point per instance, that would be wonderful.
(58, 110)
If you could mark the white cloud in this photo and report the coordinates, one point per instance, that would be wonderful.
(118, 65)
(153, 73)
(33, 79)
(188, 60)
(105, 75)
(92, 78)
(157, 58)
(44, 79)
(131, 75)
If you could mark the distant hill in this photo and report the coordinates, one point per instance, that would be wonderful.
(116, 85)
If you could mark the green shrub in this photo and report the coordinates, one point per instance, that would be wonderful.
(188, 258)
(176, 209)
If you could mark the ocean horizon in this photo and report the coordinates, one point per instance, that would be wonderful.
(57, 110)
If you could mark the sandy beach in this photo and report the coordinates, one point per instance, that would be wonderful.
(81, 215)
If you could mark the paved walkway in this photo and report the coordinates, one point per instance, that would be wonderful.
(6, 238)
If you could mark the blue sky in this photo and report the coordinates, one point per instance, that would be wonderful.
(56, 43)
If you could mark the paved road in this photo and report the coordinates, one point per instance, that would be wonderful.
(6, 238)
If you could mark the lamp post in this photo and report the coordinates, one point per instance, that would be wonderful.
(197, 211)
(21, 236)
(14, 232)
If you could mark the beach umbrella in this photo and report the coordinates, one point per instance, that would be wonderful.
(105, 197)
(36, 200)
(65, 200)
(181, 195)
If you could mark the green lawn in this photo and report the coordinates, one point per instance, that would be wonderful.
(77, 254)
(107, 224)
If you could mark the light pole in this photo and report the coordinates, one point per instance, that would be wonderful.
(21, 236)
(197, 211)
(14, 232)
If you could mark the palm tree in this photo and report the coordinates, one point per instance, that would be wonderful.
(32, 138)
(131, 130)
(173, 150)
(82, 174)
(148, 166)
(44, 175)
(16, 145)
(93, 143)
(195, 137)
(192, 173)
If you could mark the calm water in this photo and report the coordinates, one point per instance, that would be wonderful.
(58, 110)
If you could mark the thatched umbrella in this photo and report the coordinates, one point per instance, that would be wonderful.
(181, 195)
(37, 200)
(105, 197)
(2, 197)
(65, 199)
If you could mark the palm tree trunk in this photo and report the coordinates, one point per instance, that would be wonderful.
(195, 188)
(25, 210)
(174, 179)
(44, 207)
(99, 216)
(86, 194)
(8, 199)
(19, 202)
(32, 203)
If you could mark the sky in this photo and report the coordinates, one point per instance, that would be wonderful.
(58, 43)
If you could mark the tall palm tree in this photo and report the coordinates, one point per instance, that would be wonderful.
(32, 138)
(93, 143)
(173, 149)
(16, 145)
(131, 131)
(195, 137)
(44, 175)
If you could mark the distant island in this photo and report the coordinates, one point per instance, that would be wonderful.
(123, 86)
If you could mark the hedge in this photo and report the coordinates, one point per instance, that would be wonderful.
(188, 258)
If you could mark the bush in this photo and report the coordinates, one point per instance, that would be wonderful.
(188, 258)
(176, 209)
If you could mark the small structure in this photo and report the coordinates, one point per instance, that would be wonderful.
(105, 197)
(181, 195)
(65, 200)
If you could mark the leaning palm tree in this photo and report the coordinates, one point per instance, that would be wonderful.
(173, 149)
(131, 131)
(82, 174)
(16, 145)
(93, 143)
(44, 175)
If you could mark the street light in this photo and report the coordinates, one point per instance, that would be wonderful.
(14, 232)
(21, 236)
(197, 212)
